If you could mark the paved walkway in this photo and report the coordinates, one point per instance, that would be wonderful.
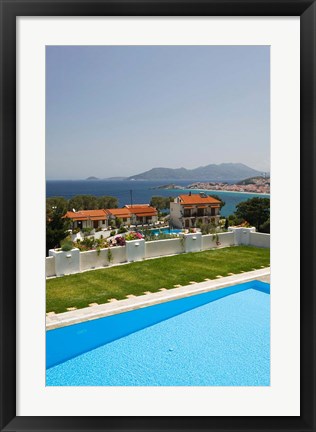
(99, 311)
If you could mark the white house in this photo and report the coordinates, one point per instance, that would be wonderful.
(188, 210)
(143, 214)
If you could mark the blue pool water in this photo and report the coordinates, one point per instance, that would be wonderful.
(166, 231)
(219, 338)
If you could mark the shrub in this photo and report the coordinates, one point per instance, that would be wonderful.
(66, 246)
(88, 243)
(112, 233)
(86, 231)
(110, 255)
(122, 230)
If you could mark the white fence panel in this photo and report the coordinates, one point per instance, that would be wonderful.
(158, 248)
(50, 266)
(93, 259)
(259, 240)
(225, 239)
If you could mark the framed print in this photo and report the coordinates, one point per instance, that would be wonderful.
(138, 143)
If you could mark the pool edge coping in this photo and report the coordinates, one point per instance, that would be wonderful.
(107, 309)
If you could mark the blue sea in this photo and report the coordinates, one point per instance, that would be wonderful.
(141, 191)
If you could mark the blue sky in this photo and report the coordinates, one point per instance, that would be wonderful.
(122, 110)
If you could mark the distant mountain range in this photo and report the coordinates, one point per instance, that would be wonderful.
(221, 172)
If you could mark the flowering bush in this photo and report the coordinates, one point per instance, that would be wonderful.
(120, 241)
(133, 236)
(91, 243)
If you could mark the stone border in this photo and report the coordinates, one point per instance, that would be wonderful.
(54, 321)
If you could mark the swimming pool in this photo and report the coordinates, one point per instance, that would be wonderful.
(157, 231)
(219, 338)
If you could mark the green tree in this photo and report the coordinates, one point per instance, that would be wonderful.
(118, 222)
(59, 203)
(91, 202)
(160, 202)
(83, 202)
(265, 227)
(256, 211)
(56, 228)
(107, 202)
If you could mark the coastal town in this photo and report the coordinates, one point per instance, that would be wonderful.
(259, 185)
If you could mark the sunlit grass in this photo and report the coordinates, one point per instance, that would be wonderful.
(98, 286)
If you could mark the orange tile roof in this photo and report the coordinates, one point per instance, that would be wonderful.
(152, 213)
(197, 199)
(119, 212)
(142, 210)
(87, 215)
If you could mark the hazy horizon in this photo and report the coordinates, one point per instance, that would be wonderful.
(117, 111)
(126, 177)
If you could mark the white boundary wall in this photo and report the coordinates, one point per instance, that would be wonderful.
(260, 239)
(50, 266)
(225, 239)
(158, 248)
(91, 259)
(57, 264)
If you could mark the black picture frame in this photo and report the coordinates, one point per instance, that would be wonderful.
(11, 9)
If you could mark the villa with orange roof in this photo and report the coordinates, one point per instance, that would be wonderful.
(136, 214)
(188, 210)
(122, 213)
(142, 214)
(88, 218)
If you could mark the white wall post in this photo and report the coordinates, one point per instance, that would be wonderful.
(135, 250)
(193, 242)
(242, 235)
(66, 262)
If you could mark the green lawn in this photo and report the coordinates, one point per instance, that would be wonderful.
(98, 286)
